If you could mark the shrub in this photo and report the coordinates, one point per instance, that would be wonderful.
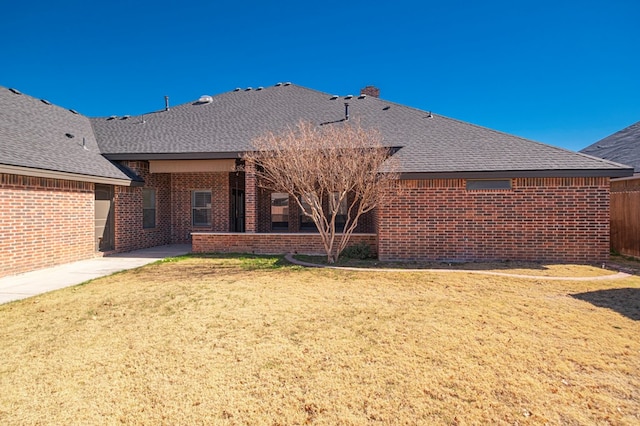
(358, 251)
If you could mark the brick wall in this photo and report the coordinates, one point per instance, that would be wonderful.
(182, 185)
(44, 222)
(173, 207)
(130, 234)
(539, 219)
(271, 243)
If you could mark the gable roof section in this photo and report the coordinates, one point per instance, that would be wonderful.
(41, 139)
(621, 147)
(431, 145)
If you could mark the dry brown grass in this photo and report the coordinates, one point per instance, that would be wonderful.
(219, 341)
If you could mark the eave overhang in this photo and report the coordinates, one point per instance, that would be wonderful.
(174, 156)
(505, 174)
(53, 174)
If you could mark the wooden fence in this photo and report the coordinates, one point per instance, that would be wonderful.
(625, 217)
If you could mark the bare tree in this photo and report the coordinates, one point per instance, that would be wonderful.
(333, 172)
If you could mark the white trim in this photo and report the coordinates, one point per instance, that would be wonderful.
(26, 171)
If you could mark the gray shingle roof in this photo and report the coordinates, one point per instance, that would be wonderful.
(226, 125)
(38, 135)
(621, 147)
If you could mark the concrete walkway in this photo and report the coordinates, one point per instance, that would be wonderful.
(16, 287)
(612, 276)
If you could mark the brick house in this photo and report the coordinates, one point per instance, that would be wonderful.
(72, 187)
(623, 147)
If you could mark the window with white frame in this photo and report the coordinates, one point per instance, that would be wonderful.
(201, 208)
(148, 208)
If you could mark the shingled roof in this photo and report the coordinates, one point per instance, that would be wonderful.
(38, 136)
(622, 147)
(223, 126)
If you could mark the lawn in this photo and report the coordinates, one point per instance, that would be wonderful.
(232, 341)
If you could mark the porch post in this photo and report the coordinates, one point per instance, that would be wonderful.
(251, 205)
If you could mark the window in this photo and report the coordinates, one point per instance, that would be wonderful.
(483, 184)
(201, 208)
(341, 217)
(279, 211)
(148, 208)
(306, 223)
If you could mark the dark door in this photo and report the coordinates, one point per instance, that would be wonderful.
(237, 210)
(104, 223)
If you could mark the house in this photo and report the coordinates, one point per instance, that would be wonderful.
(72, 187)
(623, 147)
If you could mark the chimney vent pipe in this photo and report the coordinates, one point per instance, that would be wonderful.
(166, 103)
(370, 91)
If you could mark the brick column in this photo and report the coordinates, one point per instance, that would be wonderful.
(251, 199)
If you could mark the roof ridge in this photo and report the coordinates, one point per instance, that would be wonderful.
(44, 101)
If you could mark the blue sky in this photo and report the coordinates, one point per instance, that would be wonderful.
(565, 73)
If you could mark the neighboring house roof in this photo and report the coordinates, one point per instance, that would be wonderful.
(41, 139)
(431, 145)
(621, 147)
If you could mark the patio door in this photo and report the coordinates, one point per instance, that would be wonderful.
(237, 210)
(104, 223)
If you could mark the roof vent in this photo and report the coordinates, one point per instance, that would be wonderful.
(348, 97)
(248, 89)
(44, 101)
(124, 117)
(73, 111)
(259, 88)
(69, 135)
(205, 99)
(334, 97)
(430, 115)
(386, 108)
(237, 89)
(278, 84)
(112, 117)
(362, 96)
(16, 91)
(288, 83)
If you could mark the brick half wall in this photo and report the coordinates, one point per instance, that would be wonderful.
(271, 243)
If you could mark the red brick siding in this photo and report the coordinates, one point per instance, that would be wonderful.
(251, 200)
(173, 201)
(271, 243)
(44, 222)
(130, 235)
(539, 219)
(182, 185)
